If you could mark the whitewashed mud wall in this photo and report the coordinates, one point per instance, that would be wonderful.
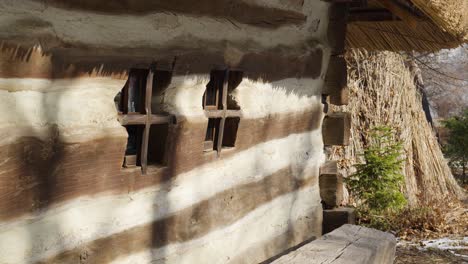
(64, 197)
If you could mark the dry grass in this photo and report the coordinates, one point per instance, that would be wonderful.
(382, 92)
(431, 221)
(398, 36)
(452, 15)
(413, 255)
(445, 26)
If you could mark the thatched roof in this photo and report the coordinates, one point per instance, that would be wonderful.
(404, 25)
(451, 15)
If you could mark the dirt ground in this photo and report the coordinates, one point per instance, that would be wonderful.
(411, 254)
(418, 252)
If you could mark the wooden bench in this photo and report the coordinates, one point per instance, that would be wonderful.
(349, 244)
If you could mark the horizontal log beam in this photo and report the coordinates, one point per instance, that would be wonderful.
(329, 167)
(336, 129)
(238, 11)
(220, 114)
(270, 65)
(139, 119)
(336, 81)
(79, 163)
(331, 189)
(336, 32)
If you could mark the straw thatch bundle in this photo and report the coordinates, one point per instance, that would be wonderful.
(382, 92)
(452, 15)
(419, 25)
(398, 36)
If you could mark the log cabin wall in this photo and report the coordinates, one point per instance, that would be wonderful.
(64, 195)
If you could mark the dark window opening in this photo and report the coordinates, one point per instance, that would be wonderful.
(161, 81)
(213, 97)
(133, 150)
(223, 115)
(147, 131)
(132, 97)
(230, 132)
(211, 136)
(157, 144)
(235, 78)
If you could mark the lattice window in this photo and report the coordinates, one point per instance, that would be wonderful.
(147, 132)
(222, 110)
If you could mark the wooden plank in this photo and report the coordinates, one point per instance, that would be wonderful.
(331, 190)
(401, 12)
(130, 161)
(214, 113)
(336, 33)
(160, 119)
(336, 129)
(146, 133)
(233, 113)
(329, 167)
(223, 118)
(208, 145)
(336, 81)
(132, 119)
(140, 119)
(222, 113)
(349, 244)
(255, 14)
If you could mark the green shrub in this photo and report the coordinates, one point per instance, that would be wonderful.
(376, 183)
(456, 148)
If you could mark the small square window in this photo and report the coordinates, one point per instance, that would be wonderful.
(147, 131)
(223, 110)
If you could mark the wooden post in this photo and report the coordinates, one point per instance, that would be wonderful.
(223, 118)
(146, 133)
(336, 81)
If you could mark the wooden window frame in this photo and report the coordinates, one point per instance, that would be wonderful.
(222, 114)
(147, 119)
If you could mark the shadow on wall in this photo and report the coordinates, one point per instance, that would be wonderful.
(51, 170)
(42, 169)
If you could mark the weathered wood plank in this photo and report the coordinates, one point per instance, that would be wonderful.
(83, 162)
(219, 113)
(336, 33)
(349, 244)
(77, 61)
(336, 129)
(140, 119)
(223, 118)
(239, 11)
(336, 81)
(335, 218)
(146, 133)
(330, 167)
(331, 189)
